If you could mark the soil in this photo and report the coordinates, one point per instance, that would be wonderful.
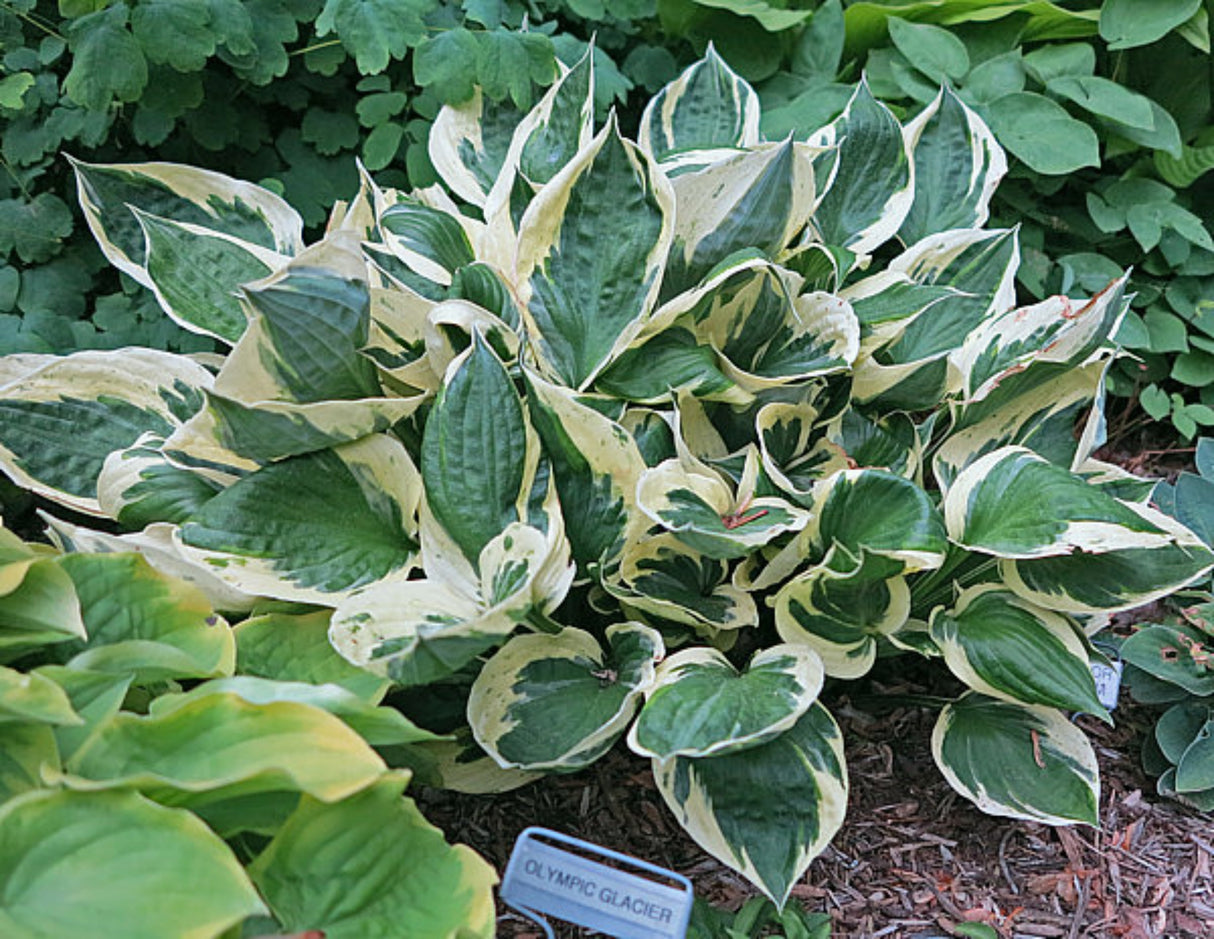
(913, 858)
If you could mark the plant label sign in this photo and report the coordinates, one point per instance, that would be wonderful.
(631, 899)
(1108, 682)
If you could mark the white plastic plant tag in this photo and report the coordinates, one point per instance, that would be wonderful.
(544, 877)
(1108, 682)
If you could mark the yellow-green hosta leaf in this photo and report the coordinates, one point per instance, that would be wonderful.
(24, 750)
(195, 273)
(596, 466)
(30, 697)
(661, 576)
(591, 249)
(166, 873)
(38, 604)
(700, 705)
(840, 615)
(296, 647)
(1013, 503)
(767, 811)
(340, 519)
(708, 107)
(59, 422)
(475, 452)
(372, 865)
(183, 194)
(870, 175)
(140, 486)
(468, 144)
(958, 164)
(462, 766)
(1005, 647)
(95, 696)
(1018, 761)
(759, 199)
(143, 622)
(699, 509)
(219, 745)
(558, 701)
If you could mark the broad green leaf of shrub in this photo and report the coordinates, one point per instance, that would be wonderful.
(560, 701)
(375, 31)
(371, 863)
(1017, 761)
(56, 841)
(1125, 24)
(107, 61)
(700, 705)
(766, 811)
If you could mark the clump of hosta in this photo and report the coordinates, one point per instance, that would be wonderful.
(636, 440)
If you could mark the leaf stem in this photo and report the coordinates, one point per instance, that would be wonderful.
(316, 47)
(20, 14)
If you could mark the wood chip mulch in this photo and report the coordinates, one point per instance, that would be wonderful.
(913, 859)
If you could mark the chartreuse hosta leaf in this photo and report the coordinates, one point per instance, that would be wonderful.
(55, 842)
(60, 421)
(958, 164)
(296, 648)
(38, 603)
(24, 750)
(417, 631)
(372, 865)
(596, 466)
(140, 621)
(766, 811)
(590, 254)
(468, 145)
(342, 518)
(187, 195)
(558, 701)
(32, 697)
(840, 615)
(1017, 760)
(708, 108)
(1008, 648)
(661, 576)
(220, 745)
(95, 697)
(700, 705)
(474, 458)
(1013, 503)
(868, 176)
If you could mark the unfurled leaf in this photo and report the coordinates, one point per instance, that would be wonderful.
(107, 61)
(375, 31)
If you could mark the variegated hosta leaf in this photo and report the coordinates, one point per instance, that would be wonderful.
(459, 764)
(840, 615)
(590, 255)
(196, 273)
(661, 576)
(468, 144)
(958, 164)
(430, 240)
(794, 454)
(700, 705)
(1003, 646)
(338, 519)
(759, 199)
(671, 360)
(139, 486)
(1058, 331)
(561, 124)
(707, 108)
(183, 194)
(888, 442)
(879, 513)
(60, 421)
(474, 458)
(767, 811)
(596, 465)
(557, 701)
(871, 176)
(1013, 503)
(699, 509)
(449, 329)
(1018, 761)
(481, 284)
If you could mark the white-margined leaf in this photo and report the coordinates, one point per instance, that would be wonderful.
(1003, 646)
(342, 519)
(140, 486)
(591, 249)
(558, 701)
(1017, 760)
(708, 107)
(672, 359)
(700, 705)
(871, 173)
(186, 195)
(459, 764)
(889, 442)
(61, 421)
(767, 811)
(429, 239)
(468, 144)
(958, 164)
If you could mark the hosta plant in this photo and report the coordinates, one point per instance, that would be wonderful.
(253, 804)
(643, 440)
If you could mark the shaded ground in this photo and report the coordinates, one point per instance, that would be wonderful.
(913, 858)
